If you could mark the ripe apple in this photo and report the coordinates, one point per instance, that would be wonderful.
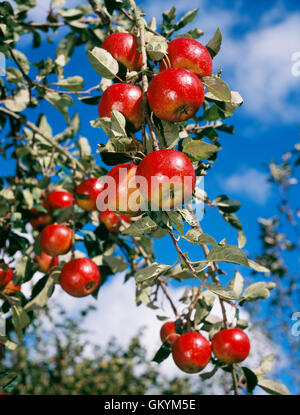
(168, 179)
(175, 94)
(46, 262)
(190, 54)
(168, 332)
(11, 288)
(231, 345)
(80, 277)
(91, 187)
(124, 98)
(112, 221)
(120, 193)
(58, 199)
(39, 219)
(56, 239)
(191, 352)
(6, 274)
(124, 48)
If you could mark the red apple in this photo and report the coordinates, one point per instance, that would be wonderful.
(191, 352)
(58, 199)
(231, 345)
(6, 274)
(175, 94)
(112, 221)
(46, 262)
(56, 239)
(39, 219)
(80, 277)
(168, 332)
(91, 187)
(11, 288)
(190, 54)
(120, 193)
(167, 179)
(124, 48)
(124, 98)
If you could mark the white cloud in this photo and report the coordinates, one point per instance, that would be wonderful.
(250, 183)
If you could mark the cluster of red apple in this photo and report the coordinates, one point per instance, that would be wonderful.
(191, 351)
(80, 276)
(175, 94)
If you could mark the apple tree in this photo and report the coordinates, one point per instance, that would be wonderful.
(162, 106)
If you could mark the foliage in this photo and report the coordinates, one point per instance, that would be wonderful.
(46, 160)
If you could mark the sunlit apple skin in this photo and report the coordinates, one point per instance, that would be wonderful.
(46, 262)
(124, 98)
(118, 200)
(190, 54)
(5, 276)
(112, 221)
(124, 48)
(11, 288)
(160, 167)
(175, 94)
(91, 187)
(191, 352)
(56, 239)
(80, 277)
(168, 332)
(58, 199)
(231, 345)
(39, 219)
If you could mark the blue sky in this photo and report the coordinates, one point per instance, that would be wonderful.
(259, 39)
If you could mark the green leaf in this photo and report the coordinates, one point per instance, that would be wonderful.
(227, 253)
(251, 379)
(265, 365)
(242, 239)
(27, 195)
(153, 271)
(13, 75)
(118, 123)
(20, 320)
(189, 217)
(176, 219)
(4, 207)
(199, 150)
(192, 34)
(217, 87)
(19, 101)
(167, 132)
(65, 49)
(103, 62)
(116, 264)
(22, 60)
(203, 307)
(222, 291)
(232, 219)
(156, 46)
(70, 13)
(256, 291)
(90, 100)
(60, 102)
(208, 375)
(84, 147)
(46, 291)
(22, 270)
(187, 18)
(273, 387)
(257, 267)
(226, 205)
(163, 352)
(237, 283)
(195, 236)
(141, 227)
(73, 83)
(214, 45)
(10, 345)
